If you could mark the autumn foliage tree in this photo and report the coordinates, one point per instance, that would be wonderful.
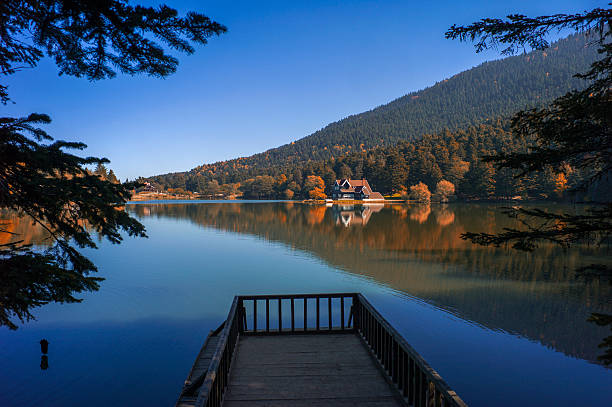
(444, 190)
(315, 187)
(420, 193)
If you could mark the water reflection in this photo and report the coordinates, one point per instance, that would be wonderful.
(44, 362)
(416, 250)
(351, 215)
(33, 275)
(20, 228)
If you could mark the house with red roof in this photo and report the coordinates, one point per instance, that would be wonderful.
(355, 190)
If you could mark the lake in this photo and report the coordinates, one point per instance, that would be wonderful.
(501, 327)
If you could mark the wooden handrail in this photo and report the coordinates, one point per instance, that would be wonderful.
(418, 382)
(300, 296)
(252, 327)
(215, 382)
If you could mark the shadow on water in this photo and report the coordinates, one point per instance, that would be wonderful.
(416, 250)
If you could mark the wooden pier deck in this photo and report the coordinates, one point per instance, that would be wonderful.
(341, 353)
(306, 370)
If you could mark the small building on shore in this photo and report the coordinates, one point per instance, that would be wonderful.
(355, 190)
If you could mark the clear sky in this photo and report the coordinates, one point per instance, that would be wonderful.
(283, 70)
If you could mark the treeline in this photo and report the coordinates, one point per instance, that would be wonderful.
(450, 156)
(493, 89)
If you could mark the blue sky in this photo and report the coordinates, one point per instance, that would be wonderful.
(283, 70)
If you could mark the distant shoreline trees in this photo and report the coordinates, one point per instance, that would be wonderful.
(453, 157)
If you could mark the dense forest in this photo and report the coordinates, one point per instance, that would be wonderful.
(426, 136)
(451, 156)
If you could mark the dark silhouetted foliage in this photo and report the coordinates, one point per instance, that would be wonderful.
(573, 133)
(38, 179)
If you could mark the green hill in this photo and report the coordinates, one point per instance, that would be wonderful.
(489, 91)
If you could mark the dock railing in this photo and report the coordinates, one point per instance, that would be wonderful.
(263, 314)
(215, 383)
(418, 384)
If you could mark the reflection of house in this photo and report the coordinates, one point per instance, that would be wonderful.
(355, 189)
(350, 215)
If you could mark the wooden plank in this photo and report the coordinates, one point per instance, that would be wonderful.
(300, 369)
(306, 370)
(336, 402)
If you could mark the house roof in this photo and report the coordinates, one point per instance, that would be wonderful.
(354, 182)
(355, 185)
(365, 189)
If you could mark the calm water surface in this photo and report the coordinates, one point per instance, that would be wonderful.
(501, 327)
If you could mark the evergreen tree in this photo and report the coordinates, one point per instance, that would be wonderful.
(38, 179)
(479, 181)
(112, 177)
(101, 171)
(397, 170)
(574, 131)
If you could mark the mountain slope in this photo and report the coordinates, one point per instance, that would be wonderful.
(490, 90)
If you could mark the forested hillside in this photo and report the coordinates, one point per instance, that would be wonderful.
(469, 103)
(451, 156)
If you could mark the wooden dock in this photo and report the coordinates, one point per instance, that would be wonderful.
(310, 350)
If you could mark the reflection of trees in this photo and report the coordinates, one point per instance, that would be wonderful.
(533, 295)
(444, 216)
(420, 212)
(31, 278)
(21, 229)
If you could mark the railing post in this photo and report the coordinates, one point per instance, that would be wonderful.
(355, 313)
(318, 313)
(411, 382)
(342, 313)
(255, 315)
(267, 315)
(292, 316)
(280, 314)
(305, 314)
(241, 316)
(329, 316)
